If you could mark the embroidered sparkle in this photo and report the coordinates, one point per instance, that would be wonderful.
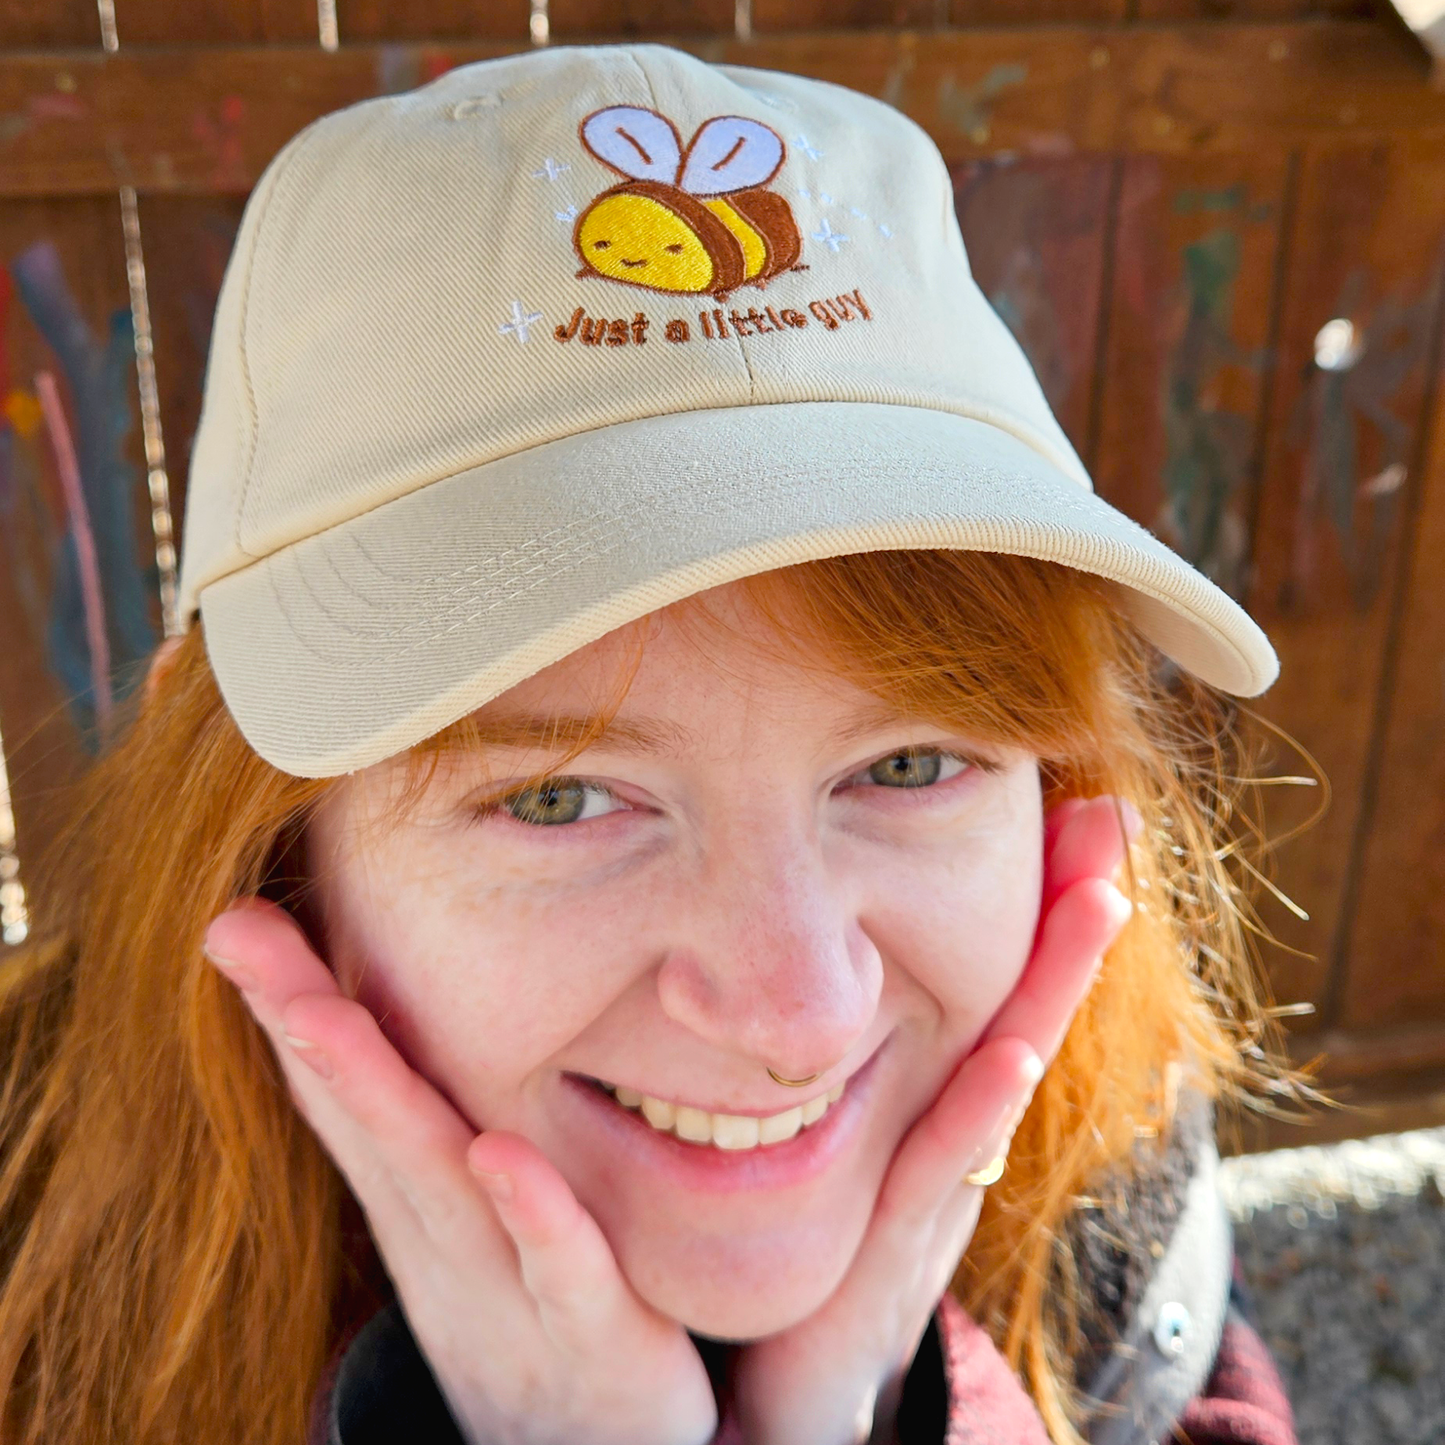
(519, 323)
(887, 231)
(809, 149)
(570, 214)
(829, 237)
(551, 169)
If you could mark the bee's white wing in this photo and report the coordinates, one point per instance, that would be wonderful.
(636, 142)
(731, 153)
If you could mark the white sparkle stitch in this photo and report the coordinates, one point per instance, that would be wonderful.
(551, 169)
(829, 237)
(809, 149)
(519, 323)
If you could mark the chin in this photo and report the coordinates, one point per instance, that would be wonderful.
(743, 1289)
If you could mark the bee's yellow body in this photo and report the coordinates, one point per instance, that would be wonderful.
(648, 233)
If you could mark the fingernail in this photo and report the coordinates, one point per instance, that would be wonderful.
(1133, 819)
(238, 973)
(310, 1055)
(499, 1186)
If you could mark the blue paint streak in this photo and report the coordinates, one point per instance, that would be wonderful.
(101, 389)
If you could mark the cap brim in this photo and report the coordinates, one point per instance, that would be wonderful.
(351, 645)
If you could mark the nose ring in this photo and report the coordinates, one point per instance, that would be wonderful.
(793, 1083)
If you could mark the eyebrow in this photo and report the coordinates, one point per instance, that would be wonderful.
(652, 736)
(567, 730)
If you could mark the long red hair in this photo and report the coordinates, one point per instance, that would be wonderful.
(178, 1256)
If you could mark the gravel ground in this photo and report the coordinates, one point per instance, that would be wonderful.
(1344, 1252)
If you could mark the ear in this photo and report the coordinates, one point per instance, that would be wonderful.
(634, 142)
(162, 660)
(731, 153)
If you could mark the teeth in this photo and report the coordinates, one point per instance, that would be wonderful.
(777, 1127)
(658, 1112)
(694, 1125)
(725, 1131)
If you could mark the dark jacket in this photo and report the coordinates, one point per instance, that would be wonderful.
(1170, 1353)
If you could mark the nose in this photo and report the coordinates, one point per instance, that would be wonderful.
(772, 962)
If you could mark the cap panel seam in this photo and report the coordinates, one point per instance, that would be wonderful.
(283, 164)
(737, 340)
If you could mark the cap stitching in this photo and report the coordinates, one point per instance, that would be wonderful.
(551, 568)
(1214, 630)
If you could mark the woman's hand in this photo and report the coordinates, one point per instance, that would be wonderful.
(835, 1378)
(507, 1282)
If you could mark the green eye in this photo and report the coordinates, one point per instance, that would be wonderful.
(558, 800)
(911, 768)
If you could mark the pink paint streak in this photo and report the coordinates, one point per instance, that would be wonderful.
(92, 597)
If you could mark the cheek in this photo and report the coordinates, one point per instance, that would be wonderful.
(957, 926)
(477, 987)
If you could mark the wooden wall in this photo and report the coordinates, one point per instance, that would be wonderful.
(1217, 226)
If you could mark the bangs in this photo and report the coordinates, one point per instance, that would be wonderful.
(1011, 650)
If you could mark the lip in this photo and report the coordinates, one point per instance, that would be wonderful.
(702, 1168)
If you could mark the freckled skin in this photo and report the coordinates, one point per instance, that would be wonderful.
(747, 902)
(628, 238)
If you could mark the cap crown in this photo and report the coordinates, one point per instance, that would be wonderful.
(418, 287)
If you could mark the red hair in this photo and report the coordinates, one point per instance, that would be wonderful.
(178, 1256)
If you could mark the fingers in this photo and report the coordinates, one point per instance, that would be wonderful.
(973, 1118)
(262, 950)
(1055, 819)
(1083, 922)
(400, 1144)
(1086, 838)
(565, 1261)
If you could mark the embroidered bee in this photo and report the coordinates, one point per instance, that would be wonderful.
(688, 221)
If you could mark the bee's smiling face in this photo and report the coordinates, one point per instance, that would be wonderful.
(638, 240)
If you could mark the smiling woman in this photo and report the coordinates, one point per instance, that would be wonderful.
(660, 942)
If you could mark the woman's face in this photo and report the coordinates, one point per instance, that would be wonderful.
(758, 865)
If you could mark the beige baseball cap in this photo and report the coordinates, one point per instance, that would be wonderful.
(507, 361)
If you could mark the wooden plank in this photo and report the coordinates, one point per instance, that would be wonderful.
(66, 312)
(215, 22)
(634, 19)
(187, 120)
(448, 20)
(1188, 330)
(1035, 232)
(1215, 11)
(46, 24)
(847, 14)
(1365, 255)
(928, 14)
(1395, 960)
(1367, 1108)
(1037, 12)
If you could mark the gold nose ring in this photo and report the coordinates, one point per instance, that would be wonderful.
(793, 1083)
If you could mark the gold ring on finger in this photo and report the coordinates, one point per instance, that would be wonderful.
(991, 1173)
